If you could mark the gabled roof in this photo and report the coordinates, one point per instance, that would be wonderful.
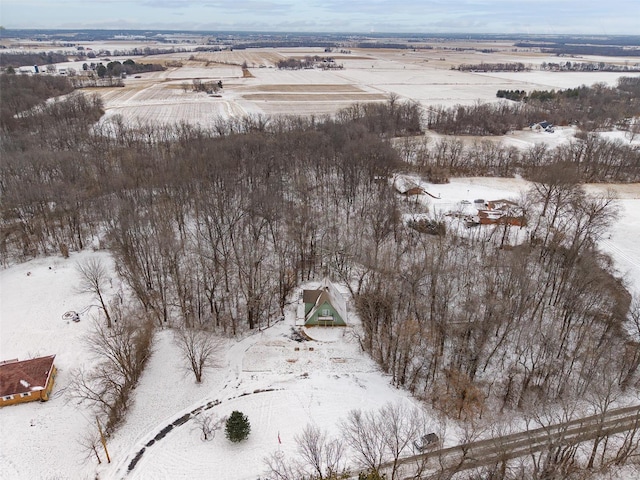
(310, 296)
(18, 377)
(403, 184)
(319, 297)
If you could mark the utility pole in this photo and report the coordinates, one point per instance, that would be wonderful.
(103, 441)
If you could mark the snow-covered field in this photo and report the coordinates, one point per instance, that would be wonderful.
(424, 76)
(280, 384)
(39, 440)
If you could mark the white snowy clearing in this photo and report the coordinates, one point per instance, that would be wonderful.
(279, 383)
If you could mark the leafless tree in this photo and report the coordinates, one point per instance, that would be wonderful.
(199, 349)
(319, 458)
(90, 443)
(324, 456)
(401, 426)
(93, 279)
(121, 353)
(364, 433)
(208, 425)
(633, 132)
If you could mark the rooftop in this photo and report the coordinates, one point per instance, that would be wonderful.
(18, 377)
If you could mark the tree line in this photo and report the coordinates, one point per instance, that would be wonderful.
(593, 158)
(492, 67)
(292, 63)
(591, 108)
(23, 59)
(587, 67)
(593, 48)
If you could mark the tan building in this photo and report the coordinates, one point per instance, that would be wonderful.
(26, 380)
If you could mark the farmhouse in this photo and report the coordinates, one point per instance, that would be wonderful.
(498, 212)
(406, 186)
(543, 126)
(26, 380)
(323, 307)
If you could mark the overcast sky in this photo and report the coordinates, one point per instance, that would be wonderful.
(603, 17)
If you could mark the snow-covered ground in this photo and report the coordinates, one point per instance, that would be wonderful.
(422, 76)
(620, 242)
(279, 383)
(39, 440)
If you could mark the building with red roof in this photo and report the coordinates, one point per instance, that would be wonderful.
(26, 380)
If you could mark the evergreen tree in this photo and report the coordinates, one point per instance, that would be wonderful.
(237, 427)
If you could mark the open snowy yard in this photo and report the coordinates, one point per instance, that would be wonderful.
(279, 383)
(281, 389)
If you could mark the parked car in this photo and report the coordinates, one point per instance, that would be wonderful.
(426, 442)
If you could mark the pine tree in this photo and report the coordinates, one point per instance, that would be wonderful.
(237, 427)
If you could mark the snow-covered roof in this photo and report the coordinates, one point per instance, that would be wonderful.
(327, 293)
(403, 184)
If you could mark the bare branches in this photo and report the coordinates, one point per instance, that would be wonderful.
(319, 458)
(207, 425)
(199, 349)
(323, 455)
(121, 353)
(93, 279)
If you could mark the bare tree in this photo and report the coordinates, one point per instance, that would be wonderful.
(199, 348)
(208, 425)
(89, 443)
(322, 454)
(93, 278)
(633, 132)
(319, 458)
(401, 426)
(121, 353)
(364, 433)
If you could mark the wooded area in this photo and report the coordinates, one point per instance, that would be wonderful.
(590, 108)
(215, 229)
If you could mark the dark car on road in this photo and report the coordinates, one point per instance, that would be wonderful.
(426, 442)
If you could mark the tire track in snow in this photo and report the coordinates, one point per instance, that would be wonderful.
(235, 357)
(620, 253)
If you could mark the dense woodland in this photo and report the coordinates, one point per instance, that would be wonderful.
(217, 227)
(30, 59)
